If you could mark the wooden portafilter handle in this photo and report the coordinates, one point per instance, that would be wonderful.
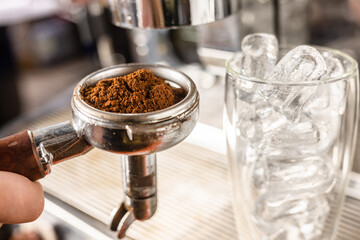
(32, 154)
(18, 155)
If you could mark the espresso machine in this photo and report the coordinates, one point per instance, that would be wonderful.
(136, 137)
(220, 29)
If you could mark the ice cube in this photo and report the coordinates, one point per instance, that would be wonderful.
(300, 176)
(330, 101)
(274, 211)
(259, 121)
(259, 173)
(260, 53)
(312, 226)
(246, 91)
(303, 138)
(335, 68)
(330, 98)
(301, 64)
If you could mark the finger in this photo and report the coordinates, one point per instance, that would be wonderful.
(20, 199)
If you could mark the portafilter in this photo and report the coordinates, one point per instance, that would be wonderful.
(136, 137)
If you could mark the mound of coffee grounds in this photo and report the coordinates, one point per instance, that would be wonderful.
(138, 92)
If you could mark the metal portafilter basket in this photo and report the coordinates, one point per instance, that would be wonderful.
(137, 137)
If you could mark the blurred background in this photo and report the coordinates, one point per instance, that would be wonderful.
(47, 46)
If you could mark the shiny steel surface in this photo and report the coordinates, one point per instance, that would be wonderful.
(141, 133)
(136, 136)
(139, 183)
(57, 143)
(141, 208)
(121, 220)
(139, 175)
(169, 13)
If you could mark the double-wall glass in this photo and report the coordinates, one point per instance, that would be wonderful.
(290, 160)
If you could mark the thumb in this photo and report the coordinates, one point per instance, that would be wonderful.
(20, 199)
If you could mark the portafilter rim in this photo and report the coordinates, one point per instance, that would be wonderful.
(169, 74)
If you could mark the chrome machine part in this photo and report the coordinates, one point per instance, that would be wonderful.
(141, 133)
(57, 143)
(169, 13)
(122, 218)
(137, 137)
(139, 180)
(139, 176)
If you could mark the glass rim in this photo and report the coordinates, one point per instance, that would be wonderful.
(346, 75)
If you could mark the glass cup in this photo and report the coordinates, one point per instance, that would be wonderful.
(289, 162)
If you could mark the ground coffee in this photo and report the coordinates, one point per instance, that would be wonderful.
(138, 92)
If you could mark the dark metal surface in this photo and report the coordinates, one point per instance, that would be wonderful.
(170, 13)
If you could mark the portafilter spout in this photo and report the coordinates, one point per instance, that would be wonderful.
(137, 137)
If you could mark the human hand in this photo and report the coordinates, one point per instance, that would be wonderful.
(21, 200)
